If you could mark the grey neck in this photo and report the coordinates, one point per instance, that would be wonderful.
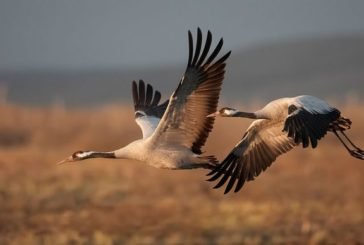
(246, 114)
(96, 154)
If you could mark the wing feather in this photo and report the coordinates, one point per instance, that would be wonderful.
(149, 94)
(308, 126)
(263, 142)
(148, 111)
(185, 122)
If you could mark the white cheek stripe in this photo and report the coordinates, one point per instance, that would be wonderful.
(230, 112)
(84, 154)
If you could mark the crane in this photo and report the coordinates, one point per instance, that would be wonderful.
(175, 131)
(280, 126)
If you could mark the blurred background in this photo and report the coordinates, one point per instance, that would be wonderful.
(65, 80)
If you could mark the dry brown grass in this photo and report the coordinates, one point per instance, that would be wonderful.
(307, 196)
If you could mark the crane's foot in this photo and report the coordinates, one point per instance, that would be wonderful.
(357, 153)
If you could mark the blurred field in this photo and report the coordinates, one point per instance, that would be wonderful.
(307, 196)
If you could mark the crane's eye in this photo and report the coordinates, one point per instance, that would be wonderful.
(75, 155)
(229, 111)
(226, 110)
(80, 154)
(223, 110)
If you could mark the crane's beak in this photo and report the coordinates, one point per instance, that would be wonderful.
(214, 114)
(68, 159)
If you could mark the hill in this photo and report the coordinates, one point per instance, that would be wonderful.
(326, 67)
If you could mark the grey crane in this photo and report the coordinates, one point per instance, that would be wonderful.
(281, 125)
(175, 131)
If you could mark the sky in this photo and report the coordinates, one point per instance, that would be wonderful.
(39, 35)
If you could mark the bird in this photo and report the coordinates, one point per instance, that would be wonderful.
(279, 126)
(175, 131)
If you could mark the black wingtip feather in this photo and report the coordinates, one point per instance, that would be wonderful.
(241, 178)
(190, 48)
(149, 95)
(206, 49)
(215, 176)
(215, 52)
(239, 185)
(223, 58)
(225, 177)
(229, 168)
(220, 166)
(305, 141)
(220, 170)
(147, 100)
(233, 178)
(198, 47)
(135, 93)
(141, 92)
(157, 98)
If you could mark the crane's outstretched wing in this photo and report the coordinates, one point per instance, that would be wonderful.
(148, 111)
(185, 122)
(260, 146)
(308, 122)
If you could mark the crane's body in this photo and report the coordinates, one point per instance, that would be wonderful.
(279, 126)
(164, 157)
(278, 109)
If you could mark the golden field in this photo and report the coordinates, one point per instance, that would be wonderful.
(306, 196)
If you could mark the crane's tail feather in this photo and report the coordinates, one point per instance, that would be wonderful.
(210, 159)
(354, 150)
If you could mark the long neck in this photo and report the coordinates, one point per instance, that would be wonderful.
(98, 154)
(245, 114)
(127, 152)
(120, 154)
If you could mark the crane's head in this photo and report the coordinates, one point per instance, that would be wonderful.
(225, 112)
(77, 156)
